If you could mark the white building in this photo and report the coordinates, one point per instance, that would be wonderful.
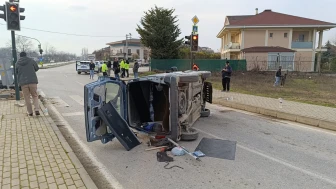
(119, 49)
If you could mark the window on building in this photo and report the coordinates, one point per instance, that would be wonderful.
(271, 34)
(285, 35)
(138, 51)
(301, 37)
(129, 51)
(286, 61)
(120, 50)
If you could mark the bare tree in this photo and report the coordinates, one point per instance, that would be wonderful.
(22, 44)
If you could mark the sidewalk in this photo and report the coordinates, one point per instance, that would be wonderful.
(319, 116)
(34, 154)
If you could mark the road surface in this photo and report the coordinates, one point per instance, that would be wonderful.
(270, 153)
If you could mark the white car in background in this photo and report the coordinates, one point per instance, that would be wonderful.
(98, 66)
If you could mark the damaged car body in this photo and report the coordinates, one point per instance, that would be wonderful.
(160, 105)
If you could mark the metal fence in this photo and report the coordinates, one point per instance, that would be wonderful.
(206, 64)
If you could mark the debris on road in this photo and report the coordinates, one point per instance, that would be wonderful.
(155, 148)
(178, 151)
(186, 151)
(163, 157)
(217, 148)
(171, 166)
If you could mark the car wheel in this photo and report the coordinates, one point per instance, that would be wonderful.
(189, 136)
(205, 113)
(79, 72)
(189, 78)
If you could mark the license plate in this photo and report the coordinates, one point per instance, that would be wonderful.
(83, 67)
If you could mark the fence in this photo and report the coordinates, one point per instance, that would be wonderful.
(208, 64)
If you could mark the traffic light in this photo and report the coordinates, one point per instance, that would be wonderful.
(188, 42)
(13, 16)
(3, 9)
(194, 42)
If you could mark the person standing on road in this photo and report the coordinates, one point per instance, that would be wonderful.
(109, 68)
(116, 68)
(277, 77)
(136, 69)
(127, 68)
(92, 68)
(26, 69)
(226, 77)
(104, 69)
(122, 67)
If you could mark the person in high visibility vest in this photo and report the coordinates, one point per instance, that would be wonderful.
(195, 67)
(122, 67)
(104, 69)
(127, 68)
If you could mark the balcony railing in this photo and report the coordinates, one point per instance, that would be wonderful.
(302, 45)
(233, 46)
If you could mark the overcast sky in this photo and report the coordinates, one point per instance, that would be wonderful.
(117, 18)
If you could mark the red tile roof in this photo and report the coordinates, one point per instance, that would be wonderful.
(233, 19)
(267, 49)
(271, 18)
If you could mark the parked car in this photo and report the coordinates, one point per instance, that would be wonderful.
(98, 66)
(82, 66)
(161, 105)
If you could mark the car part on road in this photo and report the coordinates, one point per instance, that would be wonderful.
(155, 148)
(187, 152)
(189, 135)
(171, 166)
(205, 113)
(163, 157)
(217, 148)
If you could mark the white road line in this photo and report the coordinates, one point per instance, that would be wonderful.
(280, 161)
(78, 99)
(80, 83)
(72, 114)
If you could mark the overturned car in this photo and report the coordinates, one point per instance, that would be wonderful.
(161, 105)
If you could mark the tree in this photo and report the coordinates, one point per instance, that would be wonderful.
(184, 53)
(22, 44)
(160, 32)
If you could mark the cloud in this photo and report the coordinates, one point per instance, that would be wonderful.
(78, 7)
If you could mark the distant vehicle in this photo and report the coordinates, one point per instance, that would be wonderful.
(98, 66)
(83, 66)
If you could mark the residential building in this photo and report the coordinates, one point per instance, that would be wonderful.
(130, 49)
(268, 36)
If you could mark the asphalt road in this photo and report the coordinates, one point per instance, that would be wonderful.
(270, 153)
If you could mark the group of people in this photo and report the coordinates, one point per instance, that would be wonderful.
(116, 67)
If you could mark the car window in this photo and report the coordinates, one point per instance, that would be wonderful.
(114, 94)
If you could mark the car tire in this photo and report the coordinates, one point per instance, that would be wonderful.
(205, 113)
(189, 78)
(79, 72)
(189, 136)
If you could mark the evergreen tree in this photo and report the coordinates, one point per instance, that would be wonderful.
(159, 31)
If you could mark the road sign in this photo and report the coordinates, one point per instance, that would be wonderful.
(195, 20)
(195, 29)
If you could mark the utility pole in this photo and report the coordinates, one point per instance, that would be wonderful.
(128, 37)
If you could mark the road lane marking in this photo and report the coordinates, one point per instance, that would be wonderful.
(278, 160)
(80, 83)
(72, 114)
(78, 99)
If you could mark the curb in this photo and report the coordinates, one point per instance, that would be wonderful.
(55, 66)
(88, 182)
(325, 124)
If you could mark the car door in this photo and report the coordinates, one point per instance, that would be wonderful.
(105, 106)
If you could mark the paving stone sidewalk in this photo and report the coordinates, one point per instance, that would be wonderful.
(32, 154)
(295, 108)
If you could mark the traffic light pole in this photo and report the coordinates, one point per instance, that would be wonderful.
(17, 91)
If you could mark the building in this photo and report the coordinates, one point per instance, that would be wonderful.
(268, 36)
(132, 49)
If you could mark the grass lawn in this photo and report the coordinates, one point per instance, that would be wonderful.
(319, 90)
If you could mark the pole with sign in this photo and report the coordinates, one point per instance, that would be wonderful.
(194, 40)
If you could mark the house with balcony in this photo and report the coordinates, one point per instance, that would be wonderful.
(270, 39)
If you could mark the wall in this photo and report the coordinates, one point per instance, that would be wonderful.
(256, 61)
(304, 61)
(254, 38)
(278, 38)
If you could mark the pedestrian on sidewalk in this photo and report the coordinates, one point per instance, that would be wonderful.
(26, 69)
(92, 68)
(136, 69)
(127, 68)
(104, 69)
(109, 68)
(226, 77)
(116, 68)
(277, 77)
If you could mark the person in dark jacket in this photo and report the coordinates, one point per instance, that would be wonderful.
(277, 77)
(226, 77)
(26, 69)
(92, 68)
(136, 69)
(109, 68)
(116, 68)
(127, 68)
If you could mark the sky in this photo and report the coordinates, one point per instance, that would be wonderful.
(115, 19)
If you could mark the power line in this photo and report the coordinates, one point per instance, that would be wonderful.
(78, 35)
